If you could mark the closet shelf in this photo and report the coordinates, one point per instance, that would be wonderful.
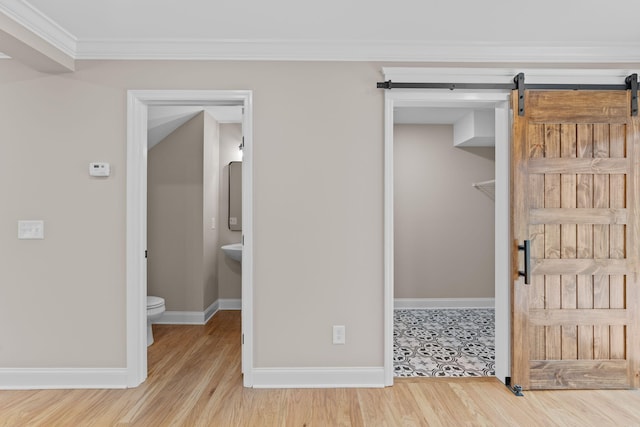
(487, 187)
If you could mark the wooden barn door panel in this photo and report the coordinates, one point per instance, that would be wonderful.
(575, 162)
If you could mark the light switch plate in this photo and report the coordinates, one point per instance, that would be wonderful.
(30, 230)
(339, 334)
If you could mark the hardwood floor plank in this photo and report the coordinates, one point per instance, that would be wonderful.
(195, 380)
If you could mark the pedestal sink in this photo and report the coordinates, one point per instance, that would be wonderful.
(233, 251)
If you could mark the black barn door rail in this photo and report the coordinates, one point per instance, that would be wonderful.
(630, 83)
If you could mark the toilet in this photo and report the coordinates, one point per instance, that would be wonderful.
(155, 308)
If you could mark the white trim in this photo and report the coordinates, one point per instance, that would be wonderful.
(502, 242)
(62, 378)
(355, 50)
(136, 239)
(190, 317)
(211, 310)
(247, 314)
(318, 377)
(230, 304)
(444, 98)
(388, 240)
(40, 24)
(181, 318)
(138, 102)
(426, 303)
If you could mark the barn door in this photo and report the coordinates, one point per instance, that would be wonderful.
(575, 168)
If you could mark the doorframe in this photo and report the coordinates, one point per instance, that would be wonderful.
(138, 102)
(499, 100)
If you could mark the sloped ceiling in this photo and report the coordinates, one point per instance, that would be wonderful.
(162, 120)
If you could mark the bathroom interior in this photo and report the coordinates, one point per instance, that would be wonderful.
(444, 213)
(194, 213)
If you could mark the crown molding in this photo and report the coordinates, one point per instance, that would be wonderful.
(44, 27)
(349, 50)
(23, 13)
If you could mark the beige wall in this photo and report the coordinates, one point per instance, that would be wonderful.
(169, 213)
(229, 271)
(182, 201)
(174, 217)
(443, 227)
(211, 208)
(318, 203)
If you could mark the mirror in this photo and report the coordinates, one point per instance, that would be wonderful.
(235, 196)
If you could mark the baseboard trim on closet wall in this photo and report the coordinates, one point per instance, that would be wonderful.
(318, 377)
(62, 378)
(198, 317)
(418, 303)
(230, 304)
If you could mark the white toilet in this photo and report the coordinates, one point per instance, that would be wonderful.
(155, 308)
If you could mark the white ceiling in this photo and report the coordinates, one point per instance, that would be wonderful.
(566, 21)
(474, 133)
(403, 30)
(429, 115)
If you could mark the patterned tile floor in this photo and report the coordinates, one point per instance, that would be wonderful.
(444, 343)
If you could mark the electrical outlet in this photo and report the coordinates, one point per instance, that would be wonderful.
(339, 334)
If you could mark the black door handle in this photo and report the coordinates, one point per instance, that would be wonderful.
(526, 247)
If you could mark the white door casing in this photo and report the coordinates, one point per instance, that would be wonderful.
(458, 99)
(138, 102)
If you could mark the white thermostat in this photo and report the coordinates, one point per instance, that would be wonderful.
(99, 169)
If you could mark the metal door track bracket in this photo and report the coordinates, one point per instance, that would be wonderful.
(632, 85)
(519, 81)
(517, 390)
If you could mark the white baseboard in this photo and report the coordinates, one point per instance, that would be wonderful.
(181, 318)
(211, 310)
(230, 304)
(198, 317)
(424, 303)
(62, 378)
(317, 377)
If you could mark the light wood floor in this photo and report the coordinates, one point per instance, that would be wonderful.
(194, 380)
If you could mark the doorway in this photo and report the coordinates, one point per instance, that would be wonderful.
(136, 241)
(498, 101)
(444, 259)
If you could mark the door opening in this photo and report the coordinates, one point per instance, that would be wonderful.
(441, 99)
(444, 258)
(136, 239)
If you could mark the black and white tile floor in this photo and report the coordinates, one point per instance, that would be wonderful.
(444, 343)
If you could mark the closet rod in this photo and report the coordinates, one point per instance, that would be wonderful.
(478, 184)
